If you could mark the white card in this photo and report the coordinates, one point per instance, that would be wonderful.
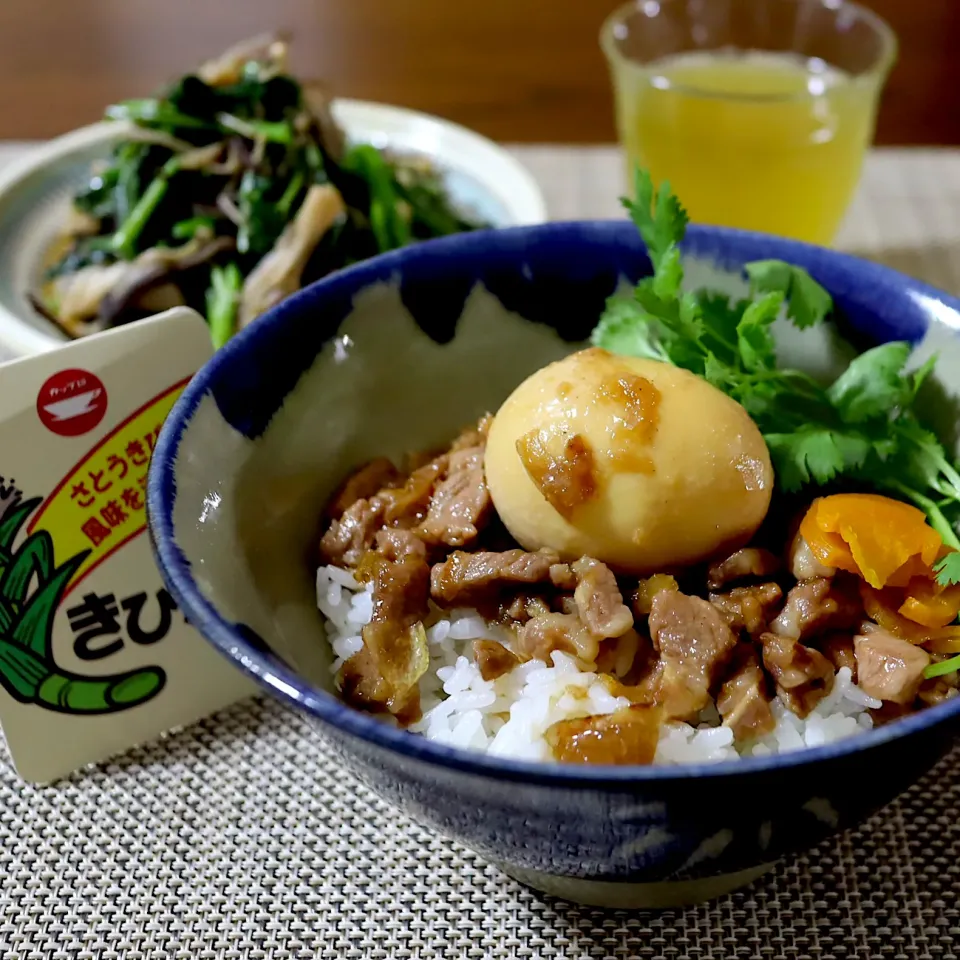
(94, 655)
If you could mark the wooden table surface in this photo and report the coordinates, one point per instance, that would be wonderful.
(516, 70)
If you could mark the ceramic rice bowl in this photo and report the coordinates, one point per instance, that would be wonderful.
(397, 354)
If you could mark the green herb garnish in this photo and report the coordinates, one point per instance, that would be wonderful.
(223, 301)
(862, 427)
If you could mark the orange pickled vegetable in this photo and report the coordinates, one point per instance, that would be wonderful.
(930, 604)
(945, 644)
(882, 540)
(882, 606)
(885, 607)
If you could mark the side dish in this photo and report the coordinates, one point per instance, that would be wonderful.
(228, 192)
(665, 548)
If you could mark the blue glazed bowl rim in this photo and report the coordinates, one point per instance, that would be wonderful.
(282, 681)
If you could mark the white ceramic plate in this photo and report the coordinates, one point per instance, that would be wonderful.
(35, 191)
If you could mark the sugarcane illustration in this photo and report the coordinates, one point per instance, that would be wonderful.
(31, 587)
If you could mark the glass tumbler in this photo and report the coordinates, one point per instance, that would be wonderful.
(758, 112)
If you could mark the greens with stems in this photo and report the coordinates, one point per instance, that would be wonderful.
(862, 427)
(214, 175)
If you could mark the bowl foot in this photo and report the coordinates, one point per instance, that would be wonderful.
(636, 896)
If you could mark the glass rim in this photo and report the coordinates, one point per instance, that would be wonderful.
(877, 71)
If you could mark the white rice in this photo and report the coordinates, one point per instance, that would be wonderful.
(509, 716)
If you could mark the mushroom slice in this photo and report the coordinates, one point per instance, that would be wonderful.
(157, 299)
(201, 158)
(278, 274)
(227, 69)
(318, 103)
(78, 295)
(94, 297)
(155, 267)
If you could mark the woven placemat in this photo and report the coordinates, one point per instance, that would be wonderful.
(241, 839)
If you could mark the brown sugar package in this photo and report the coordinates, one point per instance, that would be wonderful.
(95, 657)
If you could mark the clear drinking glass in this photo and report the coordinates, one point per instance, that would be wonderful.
(758, 112)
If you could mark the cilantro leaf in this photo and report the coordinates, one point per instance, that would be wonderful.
(720, 319)
(717, 373)
(671, 217)
(769, 276)
(678, 326)
(669, 275)
(627, 329)
(948, 569)
(804, 455)
(922, 458)
(807, 302)
(680, 315)
(657, 214)
(810, 303)
(854, 449)
(872, 386)
(762, 400)
(815, 454)
(919, 376)
(754, 339)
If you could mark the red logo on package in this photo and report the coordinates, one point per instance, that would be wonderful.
(72, 402)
